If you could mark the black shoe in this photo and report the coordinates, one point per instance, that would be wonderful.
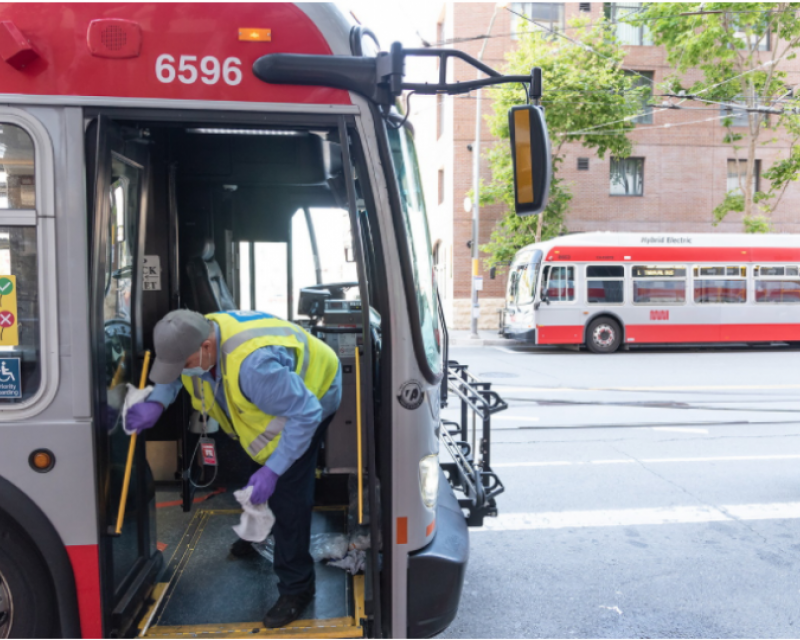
(243, 549)
(288, 609)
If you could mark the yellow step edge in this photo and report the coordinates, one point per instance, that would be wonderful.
(330, 628)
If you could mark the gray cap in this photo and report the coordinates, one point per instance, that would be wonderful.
(177, 336)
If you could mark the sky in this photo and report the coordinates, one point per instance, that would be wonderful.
(389, 20)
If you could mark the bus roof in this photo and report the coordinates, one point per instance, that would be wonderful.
(118, 53)
(606, 246)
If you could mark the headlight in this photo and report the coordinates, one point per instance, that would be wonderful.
(429, 479)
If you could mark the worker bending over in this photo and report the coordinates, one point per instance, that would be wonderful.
(275, 388)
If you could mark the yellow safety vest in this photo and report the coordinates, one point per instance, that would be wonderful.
(241, 333)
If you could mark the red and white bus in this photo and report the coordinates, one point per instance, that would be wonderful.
(214, 156)
(604, 290)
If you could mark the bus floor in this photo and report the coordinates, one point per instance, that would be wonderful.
(206, 592)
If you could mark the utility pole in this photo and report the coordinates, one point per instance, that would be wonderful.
(475, 311)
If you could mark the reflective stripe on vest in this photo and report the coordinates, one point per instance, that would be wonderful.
(273, 430)
(237, 340)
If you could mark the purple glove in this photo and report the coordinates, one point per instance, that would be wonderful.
(263, 482)
(143, 415)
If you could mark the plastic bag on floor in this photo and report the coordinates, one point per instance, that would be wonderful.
(359, 539)
(353, 562)
(329, 546)
(266, 549)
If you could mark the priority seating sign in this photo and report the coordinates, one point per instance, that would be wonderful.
(10, 384)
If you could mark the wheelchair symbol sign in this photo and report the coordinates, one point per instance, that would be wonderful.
(10, 383)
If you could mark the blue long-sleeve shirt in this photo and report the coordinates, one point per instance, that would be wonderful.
(267, 378)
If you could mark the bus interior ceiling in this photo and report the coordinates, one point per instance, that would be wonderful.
(230, 215)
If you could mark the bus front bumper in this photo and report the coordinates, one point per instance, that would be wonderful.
(436, 572)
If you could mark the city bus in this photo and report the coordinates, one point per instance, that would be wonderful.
(607, 290)
(251, 159)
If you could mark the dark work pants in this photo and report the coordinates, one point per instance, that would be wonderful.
(292, 503)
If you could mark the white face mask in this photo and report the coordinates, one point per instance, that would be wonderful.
(196, 371)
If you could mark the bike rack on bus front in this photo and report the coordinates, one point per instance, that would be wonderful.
(472, 477)
(471, 471)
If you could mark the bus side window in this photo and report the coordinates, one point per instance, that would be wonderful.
(20, 358)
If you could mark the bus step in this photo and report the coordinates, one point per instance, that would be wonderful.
(209, 594)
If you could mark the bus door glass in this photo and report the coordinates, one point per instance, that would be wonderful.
(119, 202)
(419, 243)
(558, 296)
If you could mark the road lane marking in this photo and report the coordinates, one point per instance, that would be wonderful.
(501, 417)
(640, 517)
(764, 387)
(577, 463)
(681, 429)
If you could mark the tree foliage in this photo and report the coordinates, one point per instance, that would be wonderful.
(741, 50)
(585, 88)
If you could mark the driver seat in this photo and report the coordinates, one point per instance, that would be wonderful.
(209, 290)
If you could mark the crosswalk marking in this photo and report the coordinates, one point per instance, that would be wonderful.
(576, 463)
(640, 517)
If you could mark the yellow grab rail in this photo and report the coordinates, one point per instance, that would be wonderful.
(358, 437)
(126, 483)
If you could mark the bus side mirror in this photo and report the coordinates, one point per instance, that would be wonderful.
(492, 273)
(530, 154)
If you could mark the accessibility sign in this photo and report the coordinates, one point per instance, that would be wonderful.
(10, 383)
(9, 326)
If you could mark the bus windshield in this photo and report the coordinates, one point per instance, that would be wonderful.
(419, 243)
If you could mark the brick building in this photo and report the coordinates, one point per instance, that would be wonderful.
(674, 178)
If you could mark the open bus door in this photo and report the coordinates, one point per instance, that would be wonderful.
(118, 191)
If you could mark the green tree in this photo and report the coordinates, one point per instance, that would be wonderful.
(741, 50)
(585, 88)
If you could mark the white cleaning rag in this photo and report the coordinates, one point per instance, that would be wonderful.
(257, 519)
(134, 396)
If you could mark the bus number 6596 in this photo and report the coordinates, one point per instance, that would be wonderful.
(210, 70)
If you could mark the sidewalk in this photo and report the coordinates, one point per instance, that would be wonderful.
(487, 338)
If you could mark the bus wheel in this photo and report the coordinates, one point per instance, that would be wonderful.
(603, 336)
(27, 605)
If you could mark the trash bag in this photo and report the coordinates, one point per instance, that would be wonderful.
(329, 546)
(266, 549)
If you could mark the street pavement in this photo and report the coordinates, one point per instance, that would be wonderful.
(650, 493)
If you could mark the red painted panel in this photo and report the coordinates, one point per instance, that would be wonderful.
(86, 567)
(680, 333)
(208, 32)
(648, 333)
(673, 254)
(560, 335)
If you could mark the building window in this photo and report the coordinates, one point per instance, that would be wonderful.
(583, 164)
(739, 117)
(585, 7)
(643, 79)
(439, 115)
(626, 34)
(543, 16)
(737, 174)
(441, 186)
(627, 177)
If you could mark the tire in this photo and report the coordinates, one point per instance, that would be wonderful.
(604, 335)
(27, 602)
